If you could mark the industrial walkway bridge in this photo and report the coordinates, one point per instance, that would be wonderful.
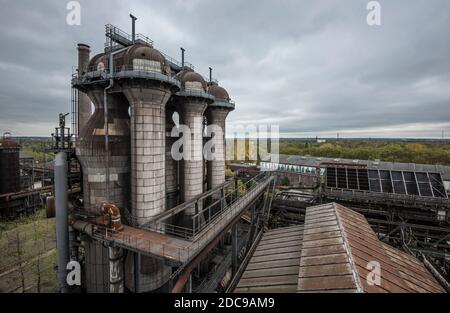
(179, 245)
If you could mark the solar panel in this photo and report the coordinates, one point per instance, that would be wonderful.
(394, 182)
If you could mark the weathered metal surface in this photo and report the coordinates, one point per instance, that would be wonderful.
(274, 265)
(339, 250)
(325, 265)
(332, 252)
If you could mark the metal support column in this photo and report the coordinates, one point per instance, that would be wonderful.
(137, 270)
(115, 270)
(62, 227)
(234, 249)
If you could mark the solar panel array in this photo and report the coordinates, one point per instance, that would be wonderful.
(425, 184)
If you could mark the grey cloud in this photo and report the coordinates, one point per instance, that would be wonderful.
(313, 67)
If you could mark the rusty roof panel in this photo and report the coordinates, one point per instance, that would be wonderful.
(413, 272)
(338, 248)
(325, 283)
(325, 270)
(324, 259)
(332, 252)
(275, 262)
(324, 263)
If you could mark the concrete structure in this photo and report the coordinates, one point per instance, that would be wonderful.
(95, 158)
(216, 114)
(191, 102)
(125, 147)
(172, 165)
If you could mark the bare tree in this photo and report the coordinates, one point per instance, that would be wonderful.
(39, 255)
(19, 253)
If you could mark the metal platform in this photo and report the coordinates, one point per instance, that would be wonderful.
(175, 249)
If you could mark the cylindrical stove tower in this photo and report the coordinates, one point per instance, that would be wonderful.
(146, 82)
(92, 154)
(94, 158)
(216, 113)
(191, 103)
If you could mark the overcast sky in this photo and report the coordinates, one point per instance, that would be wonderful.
(313, 67)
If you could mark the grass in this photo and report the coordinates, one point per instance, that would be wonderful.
(27, 248)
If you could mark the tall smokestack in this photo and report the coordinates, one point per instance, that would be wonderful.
(84, 104)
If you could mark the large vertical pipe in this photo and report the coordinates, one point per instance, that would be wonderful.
(62, 230)
(147, 150)
(148, 192)
(216, 167)
(192, 117)
(84, 103)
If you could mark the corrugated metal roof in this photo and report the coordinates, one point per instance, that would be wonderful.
(344, 261)
(325, 265)
(312, 161)
(274, 265)
(334, 251)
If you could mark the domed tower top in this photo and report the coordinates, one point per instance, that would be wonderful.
(146, 58)
(219, 92)
(99, 62)
(191, 80)
(221, 97)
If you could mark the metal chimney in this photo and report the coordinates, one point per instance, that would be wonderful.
(133, 27)
(210, 74)
(182, 57)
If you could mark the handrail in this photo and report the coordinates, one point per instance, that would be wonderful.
(172, 251)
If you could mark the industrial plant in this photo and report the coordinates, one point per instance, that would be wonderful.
(141, 208)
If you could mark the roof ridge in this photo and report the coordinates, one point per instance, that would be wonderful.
(355, 273)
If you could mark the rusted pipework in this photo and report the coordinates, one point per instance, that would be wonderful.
(113, 213)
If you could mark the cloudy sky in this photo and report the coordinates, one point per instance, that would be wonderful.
(314, 67)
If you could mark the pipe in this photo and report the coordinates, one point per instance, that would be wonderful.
(114, 215)
(115, 269)
(83, 227)
(62, 231)
(210, 74)
(133, 27)
(442, 281)
(182, 58)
